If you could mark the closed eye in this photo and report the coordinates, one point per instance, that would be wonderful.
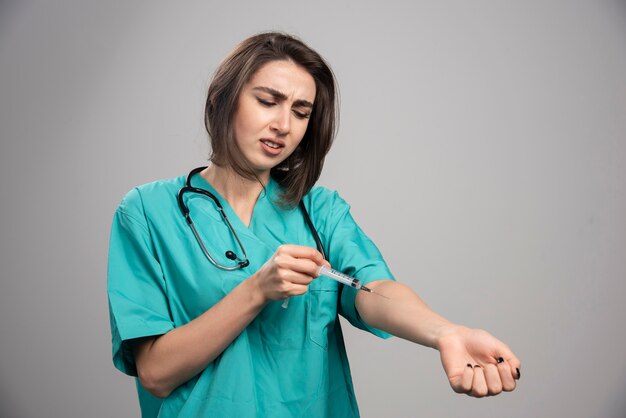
(266, 103)
(301, 115)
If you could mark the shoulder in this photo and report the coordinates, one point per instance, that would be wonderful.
(323, 196)
(325, 204)
(149, 196)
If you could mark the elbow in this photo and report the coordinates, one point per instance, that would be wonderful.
(157, 387)
(160, 392)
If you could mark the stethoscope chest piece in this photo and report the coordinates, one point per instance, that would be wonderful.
(240, 262)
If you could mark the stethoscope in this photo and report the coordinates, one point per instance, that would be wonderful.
(240, 262)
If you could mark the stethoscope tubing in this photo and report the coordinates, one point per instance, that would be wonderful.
(241, 262)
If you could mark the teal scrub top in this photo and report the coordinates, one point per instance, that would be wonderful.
(287, 362)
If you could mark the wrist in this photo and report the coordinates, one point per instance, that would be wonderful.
(445, 331)
(255, 291)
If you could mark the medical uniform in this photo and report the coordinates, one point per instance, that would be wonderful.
(287, 362)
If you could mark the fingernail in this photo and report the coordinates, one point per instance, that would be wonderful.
(469, 365)
(500, 360)
(518, 373)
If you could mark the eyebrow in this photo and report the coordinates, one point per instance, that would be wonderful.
(282, 96)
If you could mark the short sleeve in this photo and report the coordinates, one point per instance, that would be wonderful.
(350, 251)
(136, 289)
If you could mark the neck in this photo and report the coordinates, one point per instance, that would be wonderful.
(240, 193)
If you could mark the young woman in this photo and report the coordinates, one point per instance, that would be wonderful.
(200, 266)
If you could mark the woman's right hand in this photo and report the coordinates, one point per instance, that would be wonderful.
(288, 272)
(166, 361)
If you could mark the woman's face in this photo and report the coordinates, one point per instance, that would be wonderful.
(272, 114)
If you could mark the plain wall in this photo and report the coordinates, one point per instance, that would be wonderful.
(482, 146)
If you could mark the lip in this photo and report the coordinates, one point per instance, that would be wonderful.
(270, 150)
(274, 140)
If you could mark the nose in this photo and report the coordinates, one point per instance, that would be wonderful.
(282, 122)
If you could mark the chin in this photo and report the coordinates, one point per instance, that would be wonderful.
(266, 166)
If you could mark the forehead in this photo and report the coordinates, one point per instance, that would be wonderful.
(287, 77)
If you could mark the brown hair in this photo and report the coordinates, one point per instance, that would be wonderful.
(299, 172)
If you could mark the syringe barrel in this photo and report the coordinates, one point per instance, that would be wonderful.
(340, 277)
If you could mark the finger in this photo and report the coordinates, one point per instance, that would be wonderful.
(479, 385)
(514, 364)
(296, 278)
(297, 290)
(301, 251)
(466, 379)
(461, 381)
(298, 265)
(492, 378)
(504, 369)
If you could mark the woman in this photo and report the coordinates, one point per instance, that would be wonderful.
(197, 298)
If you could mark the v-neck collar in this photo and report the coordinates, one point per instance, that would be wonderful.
(264, 199)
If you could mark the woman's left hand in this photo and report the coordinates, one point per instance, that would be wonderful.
(477, 363)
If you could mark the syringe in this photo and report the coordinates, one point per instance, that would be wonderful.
(345, 279)
(341, 278)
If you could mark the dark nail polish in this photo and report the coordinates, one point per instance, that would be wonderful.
(469, 365)
(477, 366)
(500, 360)
(518, 373)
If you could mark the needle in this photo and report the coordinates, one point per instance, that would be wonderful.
(367, 289)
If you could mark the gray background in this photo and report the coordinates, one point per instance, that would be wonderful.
(482, 146)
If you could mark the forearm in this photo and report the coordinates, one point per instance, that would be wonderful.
(167, 361)
(404, 314)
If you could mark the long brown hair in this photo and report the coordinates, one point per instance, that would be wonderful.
(299, 172)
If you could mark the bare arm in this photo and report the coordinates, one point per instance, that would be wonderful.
(398, 314)
(164, 362)
(475, 362)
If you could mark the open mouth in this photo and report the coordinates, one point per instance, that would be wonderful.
(272, 144)
(271, 147)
